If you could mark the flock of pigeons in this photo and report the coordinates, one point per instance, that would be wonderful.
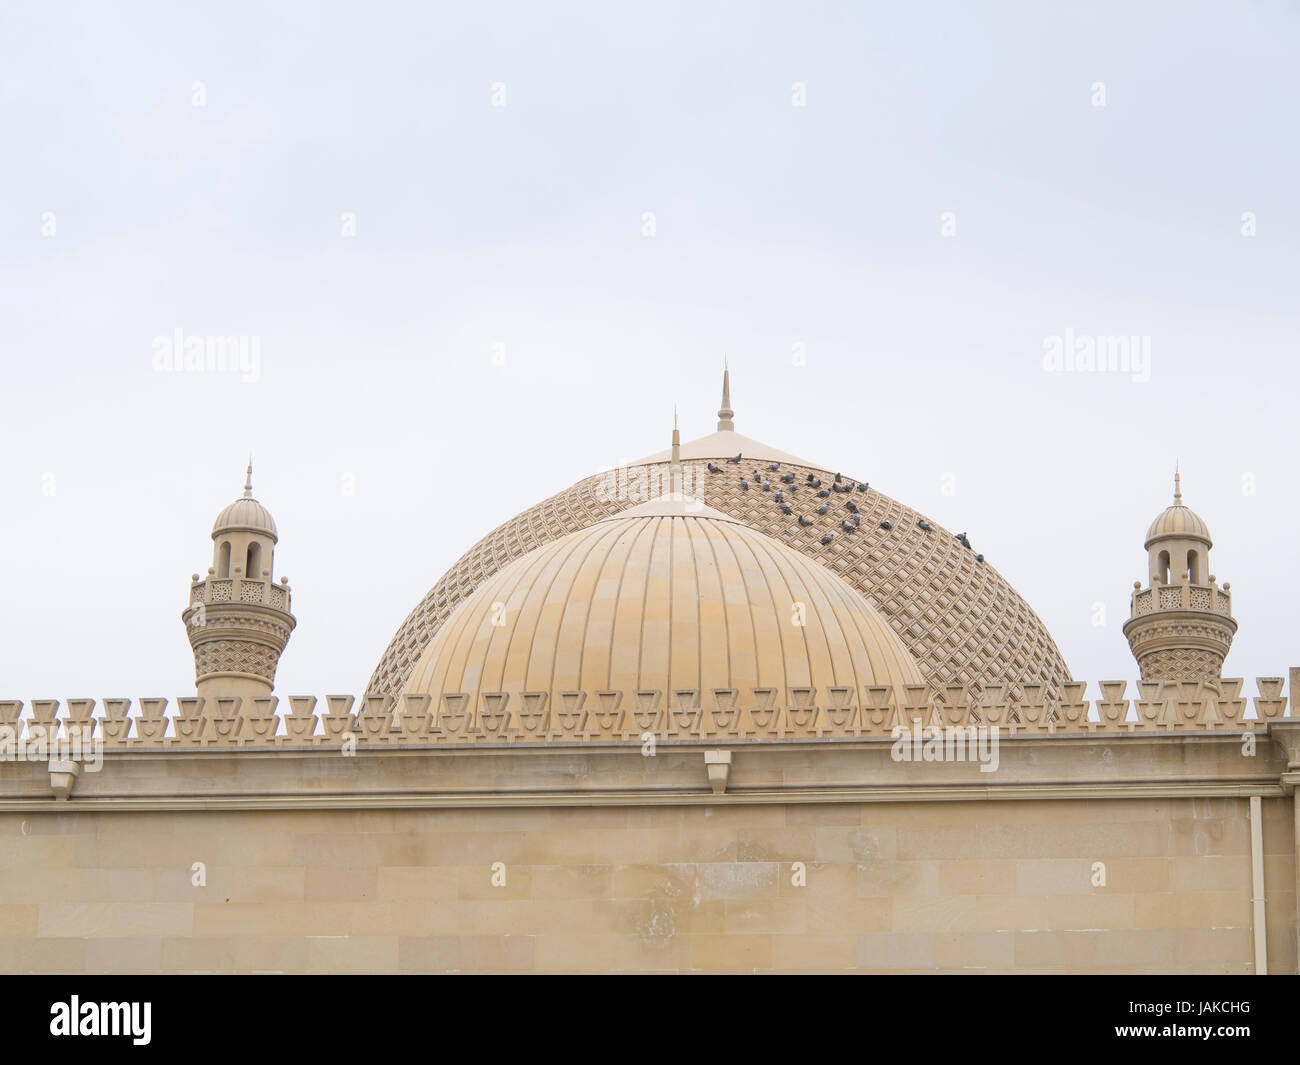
(814, 484)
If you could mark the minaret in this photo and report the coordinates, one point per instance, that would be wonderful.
(725, 413)
(238, 621)
(1181, 624)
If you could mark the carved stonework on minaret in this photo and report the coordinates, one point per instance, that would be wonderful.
(238, 619)
(1181, 625)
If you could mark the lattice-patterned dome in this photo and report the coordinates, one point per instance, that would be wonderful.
(959, 620)
(668, 597)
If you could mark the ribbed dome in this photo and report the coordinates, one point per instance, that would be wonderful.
(666, 596)
(1178, 520)
(246, 513)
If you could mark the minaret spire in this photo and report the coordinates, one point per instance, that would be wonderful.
(1178, 486)
(248, 481)
(675, 467)
(725, 413)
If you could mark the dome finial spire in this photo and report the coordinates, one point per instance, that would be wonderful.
(248, 481)
(675, 466)
(1178, 486)
(725, 413)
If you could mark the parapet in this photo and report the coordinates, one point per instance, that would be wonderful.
(1022, 709)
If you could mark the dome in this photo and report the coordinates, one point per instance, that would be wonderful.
(1178, 520)
(959, 619)
(246, 514)
(670, 596)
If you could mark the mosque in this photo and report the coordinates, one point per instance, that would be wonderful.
(721, 710)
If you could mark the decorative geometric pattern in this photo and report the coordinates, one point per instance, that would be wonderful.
(961, 622)
(1177, 646)
(1181, 663)
(811, 715)
(235, 656)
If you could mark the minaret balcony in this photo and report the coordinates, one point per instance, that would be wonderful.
(217, 590)
(1209, 598)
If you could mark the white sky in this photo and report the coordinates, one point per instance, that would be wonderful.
(521, 226)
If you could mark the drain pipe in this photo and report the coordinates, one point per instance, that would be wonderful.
(1257, 886)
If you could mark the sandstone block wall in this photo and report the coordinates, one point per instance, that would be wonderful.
(890, 887)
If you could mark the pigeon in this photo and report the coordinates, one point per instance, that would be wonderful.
(823, 494)
(744, 485)
(810, 478)
(851, 507)
(780, 495)
(736, 460)
(862, 486)
(814, 482)
(786, 508)
(924, 525)
(823, 508)
(714, 469)
(828, 538)
(838, 478)
(857, 520)
(788, 478)
(767, 485)
(979, 558)
(774, 467)
(886, 525)
(805, 520)
(847, 526)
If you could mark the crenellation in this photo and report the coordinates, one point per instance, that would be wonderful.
(415, 718)
(1270, 704)
(152, 724)
(376, 718)
(607, 714)
(598, 717)
(494, 715)
(301, 723)
(535, 715)
(116, 724)
(45, 712)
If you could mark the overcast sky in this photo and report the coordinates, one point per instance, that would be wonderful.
(483, 249)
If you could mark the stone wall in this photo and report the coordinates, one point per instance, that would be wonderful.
(965, 886)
